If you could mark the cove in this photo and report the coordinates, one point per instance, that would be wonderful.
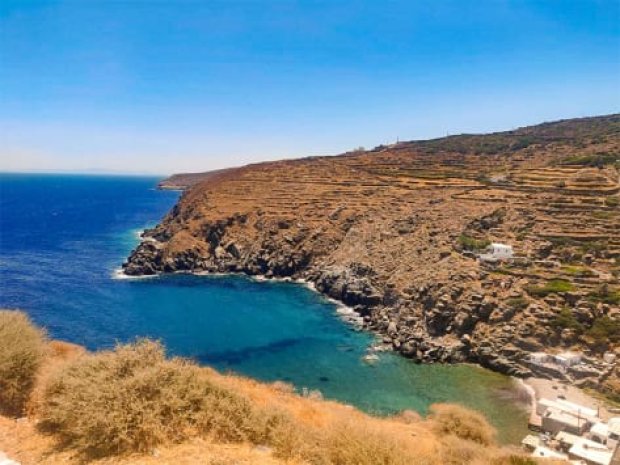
(62, 237)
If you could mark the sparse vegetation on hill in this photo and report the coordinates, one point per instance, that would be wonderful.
(22, 347)
(599, 159)
(551, 287)
(471, 243)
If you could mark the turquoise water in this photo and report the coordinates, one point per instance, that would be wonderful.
(62, 237)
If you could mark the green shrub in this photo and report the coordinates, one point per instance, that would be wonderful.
(470, 243)
(576, 270)
(606, 295)
(604, 331)
(566, 320)
(603, 215)
(22, 348)
(612, 201)
(593, 246)
(518, 303)
(599, 159)
(551, 287)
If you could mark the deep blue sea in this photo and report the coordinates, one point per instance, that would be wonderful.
(63, 236)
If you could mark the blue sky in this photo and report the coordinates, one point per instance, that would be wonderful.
(168, 86)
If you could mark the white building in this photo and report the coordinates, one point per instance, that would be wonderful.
(599, 432)
(497, 252)
(546, 453)
(613, 439)
(606, 433)
(555, 420)
(568, 359)
(539, 357)
(591, 452)
(571, 408)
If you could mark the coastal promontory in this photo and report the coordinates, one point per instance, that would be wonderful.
(396, 232)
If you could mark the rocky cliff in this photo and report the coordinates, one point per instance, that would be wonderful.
(393, 232)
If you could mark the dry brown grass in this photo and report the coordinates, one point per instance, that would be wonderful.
(450, 419)
(133, 399)
(133, 406)
(22, 347)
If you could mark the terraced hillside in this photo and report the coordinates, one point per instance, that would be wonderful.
(393, 232)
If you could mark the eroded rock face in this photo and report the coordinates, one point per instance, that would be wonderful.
(393, 234)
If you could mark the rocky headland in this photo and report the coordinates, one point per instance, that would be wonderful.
(393, 232)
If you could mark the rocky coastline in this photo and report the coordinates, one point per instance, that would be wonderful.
(394, 234)
(436, 335)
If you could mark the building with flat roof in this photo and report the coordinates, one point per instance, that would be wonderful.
(567, 359)
(547, 453)
(555, 420)
(590, 452)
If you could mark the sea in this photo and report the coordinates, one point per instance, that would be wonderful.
(63, 238)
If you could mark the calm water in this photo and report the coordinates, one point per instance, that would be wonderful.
(62, 237)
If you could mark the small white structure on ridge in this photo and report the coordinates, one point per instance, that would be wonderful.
(539, 357)
(497, 252)
(568, 359)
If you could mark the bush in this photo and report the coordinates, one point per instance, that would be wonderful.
(612, 201)
(566, 319)
(604, 331)
(462, 423)
(22, 347)
(598, 160)
(576, 270)
(350, 443)
(551, 287)
(133, 398)
(517, 303)
(342, 442)
(470, 243)
(605, 295)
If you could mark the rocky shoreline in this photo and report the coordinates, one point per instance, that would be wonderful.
(379, 310)
(394, 233)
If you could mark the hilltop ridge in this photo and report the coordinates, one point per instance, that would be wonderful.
(393, 232)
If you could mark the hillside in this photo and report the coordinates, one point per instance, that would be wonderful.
(393, 232)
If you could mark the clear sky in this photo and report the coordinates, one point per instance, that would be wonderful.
(167, 86)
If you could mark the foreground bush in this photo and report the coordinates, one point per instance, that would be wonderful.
(463, 423)
(344, 441)
(133, 399)
(22, 347)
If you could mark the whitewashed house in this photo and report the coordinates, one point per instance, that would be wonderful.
(497, 252)
(606, 433)
(591, 452)
(543, 452)
(539, 357)
(568, 359)
(555, 420)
